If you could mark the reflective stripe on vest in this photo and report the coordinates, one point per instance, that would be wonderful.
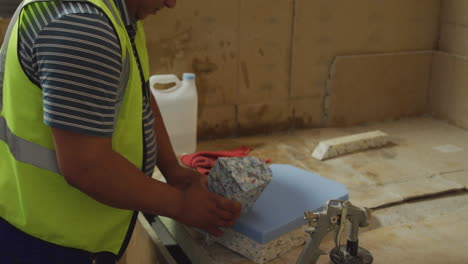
(28, 152)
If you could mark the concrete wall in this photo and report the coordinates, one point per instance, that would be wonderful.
(263, 65)
(449, 90)
(368, 88)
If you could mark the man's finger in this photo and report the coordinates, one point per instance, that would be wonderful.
(230, 205)
(223, 223)
(203, 179)
(224, 215)
(215, 231)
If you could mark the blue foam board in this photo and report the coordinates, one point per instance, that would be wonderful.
(280, 208)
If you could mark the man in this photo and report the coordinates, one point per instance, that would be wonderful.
(79, 133)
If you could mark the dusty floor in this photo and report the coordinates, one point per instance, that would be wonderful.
(416, 187)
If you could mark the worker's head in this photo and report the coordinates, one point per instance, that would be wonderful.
(140, 9)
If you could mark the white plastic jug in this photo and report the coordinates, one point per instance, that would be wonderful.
(179, 107)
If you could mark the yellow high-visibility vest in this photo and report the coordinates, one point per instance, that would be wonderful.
(34, 196)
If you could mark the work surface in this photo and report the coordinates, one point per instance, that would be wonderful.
(416, 187)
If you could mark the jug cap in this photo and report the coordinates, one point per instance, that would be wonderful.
(188, 76)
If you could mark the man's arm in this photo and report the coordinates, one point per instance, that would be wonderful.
(89, 164)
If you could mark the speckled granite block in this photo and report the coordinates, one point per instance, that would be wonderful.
(242, 179)
(261, 253)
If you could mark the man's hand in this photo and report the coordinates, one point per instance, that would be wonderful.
(205, 210)
(181, 178)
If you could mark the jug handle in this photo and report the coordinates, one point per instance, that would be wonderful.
(164, 79)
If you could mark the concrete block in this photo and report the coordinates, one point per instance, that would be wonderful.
(265, 48)
(200, 37)
(216, 121)
(378, 87)
(348, 144)
(454, 38)
(264, 118)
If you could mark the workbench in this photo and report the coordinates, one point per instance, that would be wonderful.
(416, 188)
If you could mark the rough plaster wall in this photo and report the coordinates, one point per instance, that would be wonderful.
(239, 50)
(369, 88)
(263, 65)
(201, 37)
(449, 93)
(326, 29)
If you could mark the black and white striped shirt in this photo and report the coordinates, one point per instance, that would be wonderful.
(71, 51)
